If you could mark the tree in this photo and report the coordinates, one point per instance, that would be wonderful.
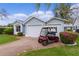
(63, 10)
(10, 25)
(37, 6)
(48, 6)
(3, 14)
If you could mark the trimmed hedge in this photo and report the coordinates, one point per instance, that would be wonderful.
(1, 30)
(8, 31)
(68, 37)
(69, 30)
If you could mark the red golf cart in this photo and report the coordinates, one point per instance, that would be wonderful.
(48, 35)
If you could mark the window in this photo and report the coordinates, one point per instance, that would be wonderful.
(18, 28)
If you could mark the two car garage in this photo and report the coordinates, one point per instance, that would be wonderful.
(34, 26)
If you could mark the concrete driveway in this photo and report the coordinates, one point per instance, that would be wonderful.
(25, 43)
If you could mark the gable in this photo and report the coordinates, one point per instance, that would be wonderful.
(55, 21)
(18, 22)
(34, 21)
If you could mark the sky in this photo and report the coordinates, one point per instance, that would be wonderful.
(22, 10)
(26, 8)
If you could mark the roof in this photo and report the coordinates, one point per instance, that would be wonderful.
(30, 17)
(19, 21)
(43, 19)
(56, 19)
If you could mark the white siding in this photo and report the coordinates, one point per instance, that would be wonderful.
(57, 23)
(35, 21)
(15, 32)
(33, 27)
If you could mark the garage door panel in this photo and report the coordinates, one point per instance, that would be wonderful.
(34, 31)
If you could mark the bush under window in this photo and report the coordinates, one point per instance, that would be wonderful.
(20, 34)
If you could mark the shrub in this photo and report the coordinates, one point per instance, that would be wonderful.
(8, 31)
(68, 37)
(68, 30)
(1, 30)
(20, 34)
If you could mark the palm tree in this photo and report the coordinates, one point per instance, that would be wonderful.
(48, 5)
(3, 14)
(57, 12)
(37, 6)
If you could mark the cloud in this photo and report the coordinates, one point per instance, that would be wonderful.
(75, 11)
(21, 16)
(49, 13)
(45, 16)
(13, 17)
(75, 6)
(39, 13)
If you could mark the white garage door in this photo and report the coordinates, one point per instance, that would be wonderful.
(34, 31)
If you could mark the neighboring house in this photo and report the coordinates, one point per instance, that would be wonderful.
(33, 25)
(76, 24)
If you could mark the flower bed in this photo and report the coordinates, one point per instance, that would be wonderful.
(68, 37)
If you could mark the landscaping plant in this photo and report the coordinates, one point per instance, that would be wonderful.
(8, 31)
(68, 37)
(20, 34)
(1, 30)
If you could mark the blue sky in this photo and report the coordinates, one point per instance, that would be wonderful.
(22, 8)
(27, 8)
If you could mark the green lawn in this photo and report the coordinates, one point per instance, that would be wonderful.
(56, 51)
(7, 38)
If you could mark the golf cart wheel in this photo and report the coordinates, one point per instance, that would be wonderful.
(45, 43)
(39, 41)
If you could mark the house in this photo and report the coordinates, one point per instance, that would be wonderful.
(76, 24)
(33, 25)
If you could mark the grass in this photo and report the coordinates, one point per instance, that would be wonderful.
(7, 38)
(56, 51)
